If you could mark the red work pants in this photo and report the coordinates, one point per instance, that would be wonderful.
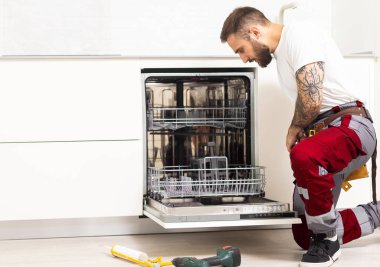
(315, 162)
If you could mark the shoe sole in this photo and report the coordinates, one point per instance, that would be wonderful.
(322, 264)
(336, 255)
(317, 264)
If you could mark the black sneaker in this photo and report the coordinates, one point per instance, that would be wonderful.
(322, 252)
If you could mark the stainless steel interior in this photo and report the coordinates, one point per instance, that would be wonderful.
(190, 120)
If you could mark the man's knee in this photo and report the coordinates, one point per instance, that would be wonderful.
(300, 155)
(304, 161)
(301, 233)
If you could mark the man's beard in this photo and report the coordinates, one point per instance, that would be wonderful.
(262, 51)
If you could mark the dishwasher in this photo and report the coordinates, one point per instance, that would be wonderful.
(200, 150)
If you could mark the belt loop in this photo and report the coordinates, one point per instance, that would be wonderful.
(336, 109)
(346, 120)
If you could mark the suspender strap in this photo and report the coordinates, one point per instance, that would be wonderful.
(374, 167)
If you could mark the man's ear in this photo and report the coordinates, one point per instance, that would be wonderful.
(254, 33)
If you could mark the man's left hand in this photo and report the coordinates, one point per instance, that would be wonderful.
(295, 135)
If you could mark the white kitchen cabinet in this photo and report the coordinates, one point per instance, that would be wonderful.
(70, 180)
(356, 27)
(69, 99)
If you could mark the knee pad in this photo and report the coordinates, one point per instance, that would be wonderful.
(301, 233)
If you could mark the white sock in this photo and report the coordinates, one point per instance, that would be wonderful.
(333, 238)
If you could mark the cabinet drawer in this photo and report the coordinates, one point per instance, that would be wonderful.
(70, 180)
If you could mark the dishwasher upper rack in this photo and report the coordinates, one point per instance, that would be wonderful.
(176, 118)
(183, 181)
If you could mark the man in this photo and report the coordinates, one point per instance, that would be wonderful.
(310, 70)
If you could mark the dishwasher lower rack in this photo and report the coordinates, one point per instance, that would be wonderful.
(181, 182)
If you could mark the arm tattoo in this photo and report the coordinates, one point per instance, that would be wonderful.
(309, 80)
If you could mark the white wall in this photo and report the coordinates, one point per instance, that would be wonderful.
(133, 28)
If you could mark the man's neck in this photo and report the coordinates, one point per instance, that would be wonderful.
(275, 31)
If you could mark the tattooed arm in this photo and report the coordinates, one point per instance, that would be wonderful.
(309, 99)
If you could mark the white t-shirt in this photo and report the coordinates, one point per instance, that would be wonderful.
(303, 43)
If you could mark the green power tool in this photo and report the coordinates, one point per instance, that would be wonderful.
(226, 256)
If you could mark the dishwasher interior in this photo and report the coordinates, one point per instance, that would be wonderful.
(200, 147)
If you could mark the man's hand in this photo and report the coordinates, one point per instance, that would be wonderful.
(295, 134)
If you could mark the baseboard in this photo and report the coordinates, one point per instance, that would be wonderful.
(80, 227)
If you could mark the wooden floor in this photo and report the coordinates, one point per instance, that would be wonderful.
(259, 248)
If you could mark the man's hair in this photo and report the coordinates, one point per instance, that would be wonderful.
(239, 21)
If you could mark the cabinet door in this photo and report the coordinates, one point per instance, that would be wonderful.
(70, 99)
(70, 180)
(356, 27)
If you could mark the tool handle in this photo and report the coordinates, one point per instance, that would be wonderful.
(128, 254)
(213, 261)
(226, 256)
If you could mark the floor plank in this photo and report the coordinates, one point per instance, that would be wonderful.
(258, 247)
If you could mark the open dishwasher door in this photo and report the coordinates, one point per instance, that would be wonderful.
(200, 151)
